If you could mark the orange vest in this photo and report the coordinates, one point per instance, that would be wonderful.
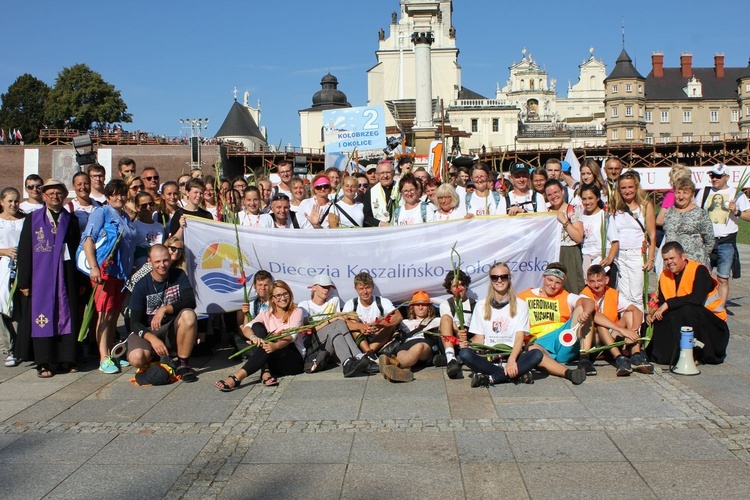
(546, 314)
(667, 287)
(609, 304)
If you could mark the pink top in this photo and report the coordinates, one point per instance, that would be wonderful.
(274, 324)
(668, 200)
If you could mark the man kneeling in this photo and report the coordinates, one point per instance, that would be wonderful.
(162, 316)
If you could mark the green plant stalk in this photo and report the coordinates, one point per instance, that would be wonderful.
(10, 297)
(497, 348)
(603, 234)
(454, 285)
(89, 314)
(243, 278)
(607, 347)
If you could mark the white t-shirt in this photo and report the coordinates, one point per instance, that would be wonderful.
(458, 213)
(266, 220)
(500, 328)
(356, 212)
(30, 207)
(629, 231)
(445, 310)
(717, 206)
(80, 211)
(482, 206)
(412, 324)
(526, 202)
(592, 234)
(310, 308)
(250, 220)
(306, 207)
(369, 314)
(409, 217)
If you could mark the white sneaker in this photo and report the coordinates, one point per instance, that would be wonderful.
(11, 361)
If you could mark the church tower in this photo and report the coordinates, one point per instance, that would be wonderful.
(625, 103)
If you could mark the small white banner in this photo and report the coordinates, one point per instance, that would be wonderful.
(402, 260)
(658, 178)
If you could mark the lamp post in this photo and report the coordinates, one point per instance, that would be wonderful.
(195, 125)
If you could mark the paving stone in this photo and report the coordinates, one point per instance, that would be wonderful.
(706, 480)
(32, 481)
(20, 388)
(119, 390)
(474, 446)
(562, 446)
(309, 388)
(635, 399)
(316, 409)
(568, 480)
(182, 410)
(11, 407)
(54, 448)
(403, 407)
(728, 392)
(403, 448)
(106, 410)
(378, 388)
(545, 408)
(151, 449)
(284, 481)
(300, 448)
(116, 481)
(8, 439)
(669, 445)
(42, 411)
(383, 481)
(493, 480)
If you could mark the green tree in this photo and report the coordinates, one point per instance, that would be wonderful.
(23, 106)
(81, 98)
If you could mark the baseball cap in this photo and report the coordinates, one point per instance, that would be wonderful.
(718, 169)
(565, 166)
(323, 280)
(520, 167)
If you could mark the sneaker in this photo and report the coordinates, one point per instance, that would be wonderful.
(396, 374)
(109, 366)
(623, 366)
(587, 365)
(123, 363)
(526, 378)
(481, 380)
(639, 363)
(11, 361)
(186, 374)
(576, 376)
(454, 369)
(353, 366)
(439, 360)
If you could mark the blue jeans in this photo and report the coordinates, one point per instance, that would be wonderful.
(725, 257)
(526, 362)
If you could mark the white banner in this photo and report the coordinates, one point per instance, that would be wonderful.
(658, 178)
(402, 260)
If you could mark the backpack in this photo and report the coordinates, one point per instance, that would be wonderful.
(533, 202)
(452, 305)
(422, 211)
(378, 302)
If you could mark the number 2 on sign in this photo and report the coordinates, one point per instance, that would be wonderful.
(371, 116)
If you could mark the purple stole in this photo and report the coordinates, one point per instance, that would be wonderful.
(50, 308)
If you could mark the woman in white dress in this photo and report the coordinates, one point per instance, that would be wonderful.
(596, 222)
(11, 221)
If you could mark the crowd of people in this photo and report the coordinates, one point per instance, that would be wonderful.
(119, 245)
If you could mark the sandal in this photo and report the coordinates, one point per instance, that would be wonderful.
(224, 387)
(43, 372)
(70, 368)
(269, 381)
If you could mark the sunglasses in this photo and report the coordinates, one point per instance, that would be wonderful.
(323, 186)
(715, 176)
(183, 184)
(146, 205)
(501, 277)
(33, 186)
(152, 178)
(136, 187)
(364, 184)
(176, 249)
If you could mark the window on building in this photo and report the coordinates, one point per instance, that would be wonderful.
(628, 133)
(615, 112)
(735, 117)
(628, 87)
(649, 139)
(686, 117)
(614, 135)
(628, 110)
(665, 116)
(495, 125)
(475, 124)
(714, 116)
(687, 137)
(614, 89)
(664, 137)
(747, 87)
(649, 118)
(747, 111)
(714, 137)
(640, 112)
(640, 89)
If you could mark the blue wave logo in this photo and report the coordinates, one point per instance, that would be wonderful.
(221, 283)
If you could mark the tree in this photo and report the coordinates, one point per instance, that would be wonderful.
(23, 106)
(82, 98)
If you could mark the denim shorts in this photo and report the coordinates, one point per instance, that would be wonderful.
(725, 257)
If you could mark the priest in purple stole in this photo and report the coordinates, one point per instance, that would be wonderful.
(49, 284)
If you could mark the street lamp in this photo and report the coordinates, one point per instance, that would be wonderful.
(195, 125)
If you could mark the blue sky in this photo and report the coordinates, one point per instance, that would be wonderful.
(175, 60)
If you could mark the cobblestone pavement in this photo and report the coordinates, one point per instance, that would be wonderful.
(88, 434)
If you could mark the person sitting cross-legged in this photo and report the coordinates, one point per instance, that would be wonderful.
(162, 315)
(450, 329)
(500, 318)
(628, 318)
(415, 347)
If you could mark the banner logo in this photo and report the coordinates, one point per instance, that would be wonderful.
(223, 269)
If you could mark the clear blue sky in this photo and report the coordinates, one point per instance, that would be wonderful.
(175, 60)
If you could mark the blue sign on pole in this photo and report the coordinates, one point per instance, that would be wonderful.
(347, 129)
